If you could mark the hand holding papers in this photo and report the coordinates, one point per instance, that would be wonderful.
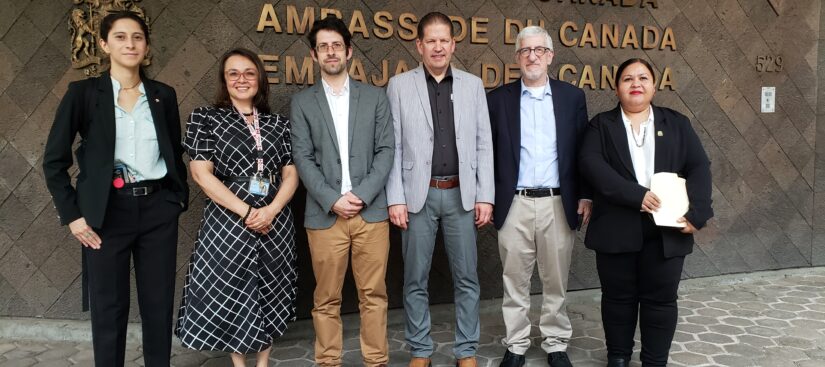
(672, 192)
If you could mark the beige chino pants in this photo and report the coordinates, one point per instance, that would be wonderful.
(536, 231)
(330, 250)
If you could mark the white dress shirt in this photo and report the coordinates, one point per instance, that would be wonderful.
(642, 147)
(136, 141)
(339, 107)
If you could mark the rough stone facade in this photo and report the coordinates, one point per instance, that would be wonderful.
(769, 173)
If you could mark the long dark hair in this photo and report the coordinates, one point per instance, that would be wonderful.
(261, 99)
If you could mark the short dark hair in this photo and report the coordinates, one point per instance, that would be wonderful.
(109, 21)
(434, 18)
(632, 61)
(330, 23)
(261, 99)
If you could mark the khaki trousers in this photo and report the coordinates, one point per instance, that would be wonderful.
(330, 250)
(536, 231)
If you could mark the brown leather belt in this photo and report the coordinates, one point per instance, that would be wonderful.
(444, 184)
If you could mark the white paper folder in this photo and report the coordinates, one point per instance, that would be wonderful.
(671, 190)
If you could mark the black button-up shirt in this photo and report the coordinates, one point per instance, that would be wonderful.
(445, 152)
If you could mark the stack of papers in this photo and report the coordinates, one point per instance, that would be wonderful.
(671, 190)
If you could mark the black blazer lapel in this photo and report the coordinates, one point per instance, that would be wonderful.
(618, 134)
(663, 134)
(159, 119)
(105, 114)
(512, 107)
(563, 128)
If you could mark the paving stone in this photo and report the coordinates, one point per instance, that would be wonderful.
(732, 361)
(756, 341)
(772, 323)
(56, 353)
(703, 348)
(715, 337)
(82, 355)
(744, 350)
(711, 312)
(737, 321)
(54, 363)
(689, 359)
(20, 362)
(189, 359)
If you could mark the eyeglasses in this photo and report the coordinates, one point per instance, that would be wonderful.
(335, 46)
(234, 75)
(539, 51)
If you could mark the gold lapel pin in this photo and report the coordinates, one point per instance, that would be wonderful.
(660, 133)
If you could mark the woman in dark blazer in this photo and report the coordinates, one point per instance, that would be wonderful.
(131, 188)
(639, 263)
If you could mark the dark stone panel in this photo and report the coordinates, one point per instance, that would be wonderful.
(48, 14)
(16, 268)
(30, 139)
(15, 218)
(11, 11)
(23, 38)
(13, 169)
(60, 269)
(217, 32)
(41, 242)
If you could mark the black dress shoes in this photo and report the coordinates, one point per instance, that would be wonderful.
(617, 362)
(512, 360)
(558, 359)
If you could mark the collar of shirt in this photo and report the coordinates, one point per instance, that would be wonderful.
(328, 88)
(116, 90)
(447, 75)
(626, 120)
(547, 91)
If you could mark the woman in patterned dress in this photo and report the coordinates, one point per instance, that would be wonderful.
(240, 287)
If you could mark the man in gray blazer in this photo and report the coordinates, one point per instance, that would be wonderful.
(443, 172)
(342, 145)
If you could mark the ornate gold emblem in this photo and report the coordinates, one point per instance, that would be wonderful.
(84, 24)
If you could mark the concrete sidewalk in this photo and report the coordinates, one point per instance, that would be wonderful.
(759, 319)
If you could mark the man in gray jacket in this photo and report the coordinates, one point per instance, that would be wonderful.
(443, 172)
(342, 145)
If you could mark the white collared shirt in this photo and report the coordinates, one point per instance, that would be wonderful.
(136, 140)
(642, 147)
(339, 108)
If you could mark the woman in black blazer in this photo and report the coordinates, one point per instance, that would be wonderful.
(639, 263)
(131, 188)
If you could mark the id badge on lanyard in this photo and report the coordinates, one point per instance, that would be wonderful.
(258, 185)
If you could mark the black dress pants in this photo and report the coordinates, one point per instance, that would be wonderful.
(640, 285)
(145, 227)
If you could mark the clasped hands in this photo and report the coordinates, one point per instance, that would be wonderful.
(348, 205)
(651, 203)
(260, 219)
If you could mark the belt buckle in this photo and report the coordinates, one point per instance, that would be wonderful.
(140, 191)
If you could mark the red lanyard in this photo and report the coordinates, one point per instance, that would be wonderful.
(255, 131)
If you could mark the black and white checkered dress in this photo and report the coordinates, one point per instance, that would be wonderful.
(240, 287)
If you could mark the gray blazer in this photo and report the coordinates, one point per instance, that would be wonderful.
(315, 151)
(412, 118)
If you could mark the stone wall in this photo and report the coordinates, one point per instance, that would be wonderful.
(767, 198)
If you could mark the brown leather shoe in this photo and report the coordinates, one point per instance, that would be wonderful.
(466, 362)
(420, 362)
